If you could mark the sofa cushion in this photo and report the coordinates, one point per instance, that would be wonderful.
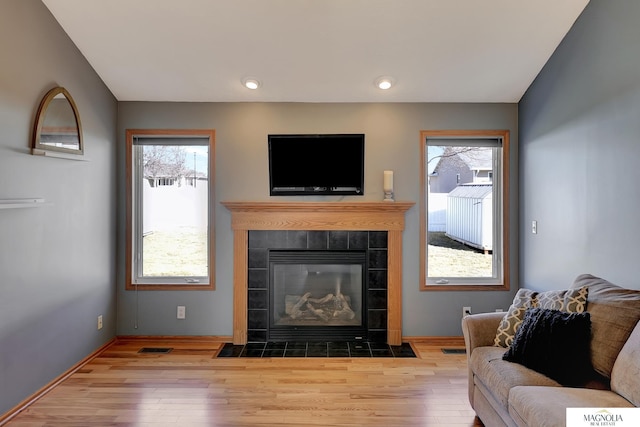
(554, 343)
(546, 406)
(614, 313)
(569, 300)
(625, 375)
(499, 376)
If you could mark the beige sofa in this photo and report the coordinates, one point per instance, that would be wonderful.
(505, 393)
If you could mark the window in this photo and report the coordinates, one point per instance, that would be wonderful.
(464, 207)
(170, 209)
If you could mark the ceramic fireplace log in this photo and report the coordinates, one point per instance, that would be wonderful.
(330, 306)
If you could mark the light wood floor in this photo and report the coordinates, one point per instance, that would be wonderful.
(190, 387)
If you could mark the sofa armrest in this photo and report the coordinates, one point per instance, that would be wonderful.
(480, 329)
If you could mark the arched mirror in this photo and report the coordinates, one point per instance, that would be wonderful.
(57, 126)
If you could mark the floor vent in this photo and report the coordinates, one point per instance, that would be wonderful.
(161, 350)
(454, 351)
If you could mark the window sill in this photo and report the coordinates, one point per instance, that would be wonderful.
(157, 287)
(465, 287)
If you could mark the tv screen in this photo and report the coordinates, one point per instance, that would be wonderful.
(330, 164)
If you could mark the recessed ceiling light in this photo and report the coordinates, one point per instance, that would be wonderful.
(251, 83)
(384, 82)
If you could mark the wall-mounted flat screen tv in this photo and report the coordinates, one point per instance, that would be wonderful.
(319, 164)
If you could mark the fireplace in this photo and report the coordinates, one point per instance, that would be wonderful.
(292, 273)
(317, 295)
(329, 226)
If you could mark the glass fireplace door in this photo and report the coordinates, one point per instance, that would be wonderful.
(317, 293)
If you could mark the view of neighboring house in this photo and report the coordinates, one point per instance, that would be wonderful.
(460, 194)
(461, 166)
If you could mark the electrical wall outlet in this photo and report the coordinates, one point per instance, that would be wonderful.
(100, 322)
(182, 312)
(534, 227)
(466, 311)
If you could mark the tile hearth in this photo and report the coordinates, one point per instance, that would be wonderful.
(316, 349)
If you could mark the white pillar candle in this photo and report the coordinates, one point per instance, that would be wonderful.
(388, 181)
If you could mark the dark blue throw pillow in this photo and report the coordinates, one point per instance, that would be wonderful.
(554, 343)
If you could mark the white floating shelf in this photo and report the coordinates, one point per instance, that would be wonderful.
(22, 203)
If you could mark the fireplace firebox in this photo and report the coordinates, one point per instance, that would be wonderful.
(317, 295)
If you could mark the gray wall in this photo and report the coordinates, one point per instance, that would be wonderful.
(580, 152)
(392, 142)
(57, 263)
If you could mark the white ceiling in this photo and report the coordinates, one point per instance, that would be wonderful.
(317, 50)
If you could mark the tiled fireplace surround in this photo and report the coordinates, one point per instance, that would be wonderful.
(373, 243)
(332, 224)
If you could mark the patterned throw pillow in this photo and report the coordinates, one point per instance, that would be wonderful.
(570, 301)
(523, 300)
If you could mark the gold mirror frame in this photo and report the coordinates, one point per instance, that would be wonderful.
(57, 126)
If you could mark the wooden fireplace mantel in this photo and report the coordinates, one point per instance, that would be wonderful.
(372, 216)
